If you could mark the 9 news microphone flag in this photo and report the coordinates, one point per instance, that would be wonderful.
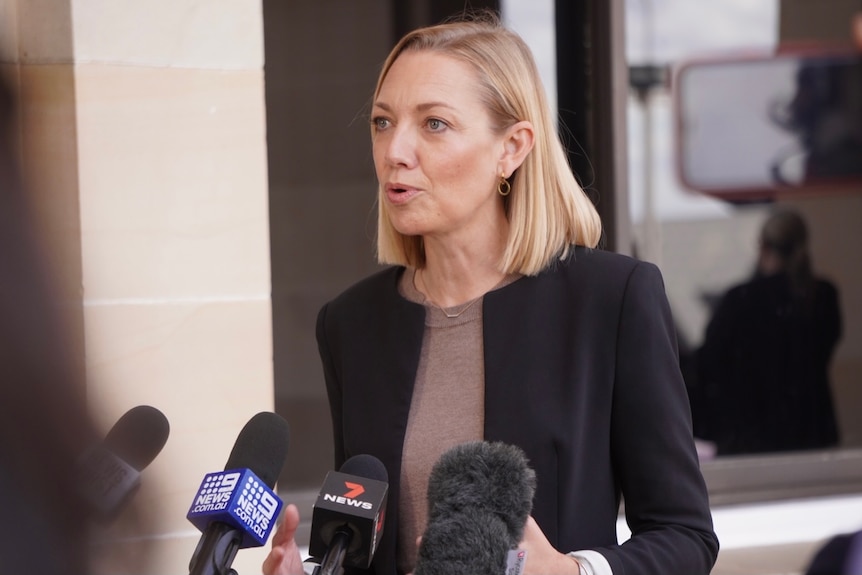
(236, 508)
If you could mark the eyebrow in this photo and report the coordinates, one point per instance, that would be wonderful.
(425, 106)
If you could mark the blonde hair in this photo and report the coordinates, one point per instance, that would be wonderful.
(548, 211)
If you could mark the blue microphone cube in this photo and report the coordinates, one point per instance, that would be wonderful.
(239, 498)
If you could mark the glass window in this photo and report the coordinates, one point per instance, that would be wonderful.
(771, 352)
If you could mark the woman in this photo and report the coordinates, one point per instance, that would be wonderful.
(498, 320)
(764, 362)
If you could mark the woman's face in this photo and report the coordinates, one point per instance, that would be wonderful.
(436, 155)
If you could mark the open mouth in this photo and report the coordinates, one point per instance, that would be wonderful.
(399, 188)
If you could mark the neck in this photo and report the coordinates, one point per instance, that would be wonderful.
(463, 267)
(449, 288)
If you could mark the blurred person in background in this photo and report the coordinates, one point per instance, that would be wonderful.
(764, 364)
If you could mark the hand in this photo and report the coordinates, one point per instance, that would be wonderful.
(284, 558)
(542, 558)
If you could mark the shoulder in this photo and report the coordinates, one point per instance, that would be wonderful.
(588, 279)
(826, 287)
(582, 256)
(370, 300)
(757, 290)
(744, 290)
(603, 268)
(374, 286)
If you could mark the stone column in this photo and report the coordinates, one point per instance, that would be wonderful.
(144, 144)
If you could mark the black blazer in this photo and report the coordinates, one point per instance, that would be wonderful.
(581, 372)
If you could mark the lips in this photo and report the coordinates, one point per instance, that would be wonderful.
(398, 193)
(398, 188)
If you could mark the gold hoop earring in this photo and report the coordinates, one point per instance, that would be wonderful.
(504, 188)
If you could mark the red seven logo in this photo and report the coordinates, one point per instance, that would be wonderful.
(355, 490)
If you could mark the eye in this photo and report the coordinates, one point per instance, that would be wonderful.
(436, 124)
(379, 123)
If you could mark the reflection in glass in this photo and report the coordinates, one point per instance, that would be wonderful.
(825, 114)
(761, 379)
(749, 125)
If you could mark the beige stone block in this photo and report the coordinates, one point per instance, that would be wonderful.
(213, 34)
(173, 180)
(8, 30)
(208, 368)
(45, 31)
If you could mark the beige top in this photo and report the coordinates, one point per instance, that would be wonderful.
(448, 405)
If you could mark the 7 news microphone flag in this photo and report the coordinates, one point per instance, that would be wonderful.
(349, 514)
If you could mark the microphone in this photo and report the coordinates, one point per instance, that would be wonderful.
(480, 495)
(348, 516)
(237, 508)
(109, 474)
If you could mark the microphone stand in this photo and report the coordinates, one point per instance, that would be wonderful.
(334, 559)
(216, 550)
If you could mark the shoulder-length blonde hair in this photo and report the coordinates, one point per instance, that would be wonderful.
(548, 211)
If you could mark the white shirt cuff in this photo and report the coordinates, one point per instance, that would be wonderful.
(592, 563)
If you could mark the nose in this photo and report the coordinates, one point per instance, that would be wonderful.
(400, 147)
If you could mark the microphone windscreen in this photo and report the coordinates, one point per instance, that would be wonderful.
(366, 466)
(464, 545)
(486, 477)
(138, 436)
(262, 447)
(480, 495)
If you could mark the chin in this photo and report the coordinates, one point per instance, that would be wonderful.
(408, 228)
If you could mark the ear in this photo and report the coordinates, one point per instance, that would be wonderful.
(517, 143)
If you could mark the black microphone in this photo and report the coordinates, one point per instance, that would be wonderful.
(109, 474)
(237, 508)
(480, 495)
(349, 514)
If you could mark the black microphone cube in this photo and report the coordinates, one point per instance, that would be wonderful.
(357, 504)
